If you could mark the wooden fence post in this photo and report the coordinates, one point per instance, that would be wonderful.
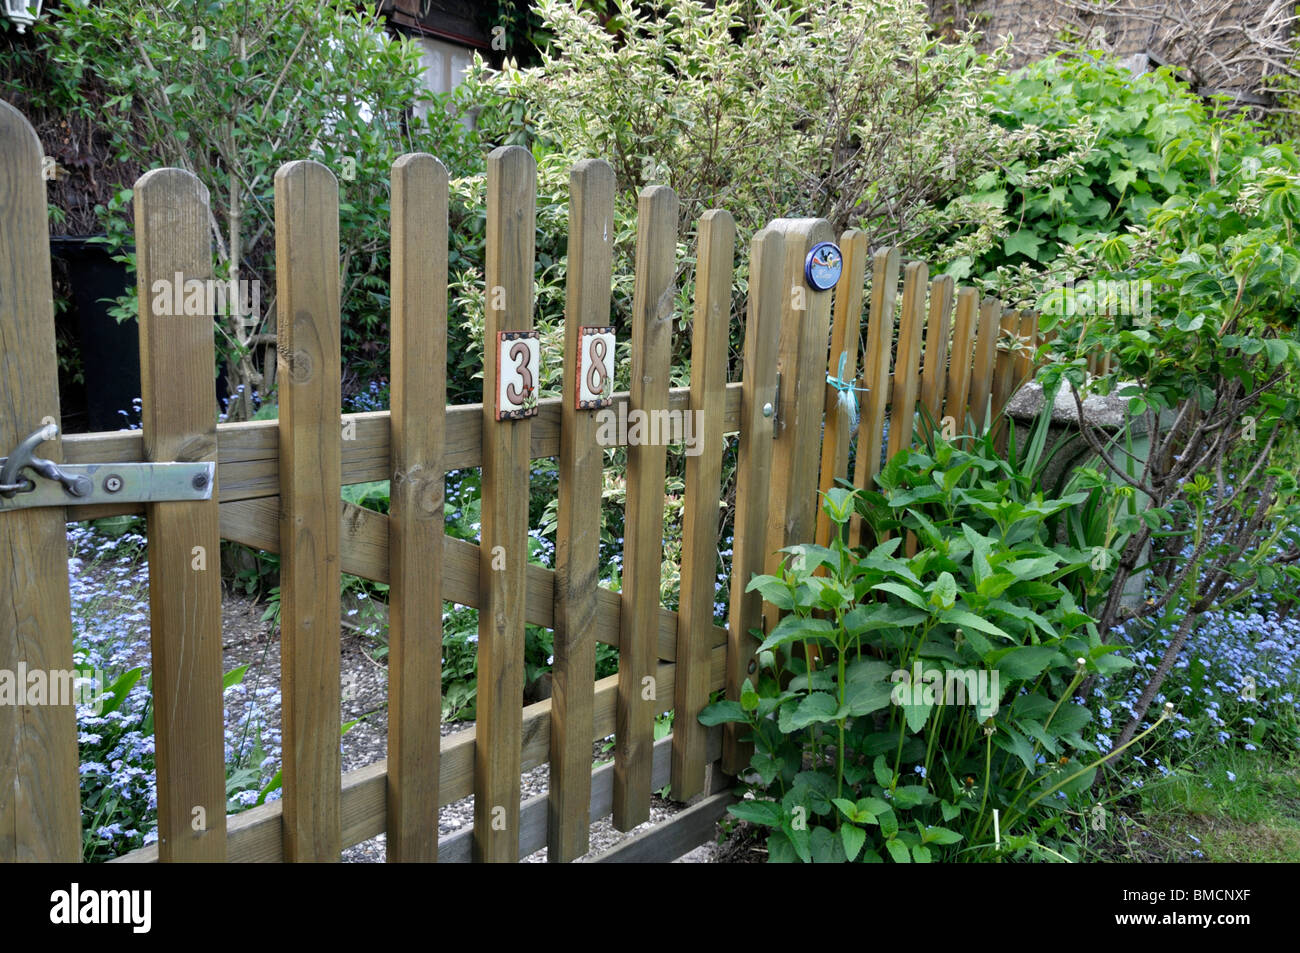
(801, 355)
(709, 345)
(40, 804)
(179, 404)
(753, 476)
(503, 554)
(577, 537)
(643, 525)
(415, 519)
(307, 276)
(875, 376)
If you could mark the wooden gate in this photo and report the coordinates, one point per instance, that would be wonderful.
(278, 487)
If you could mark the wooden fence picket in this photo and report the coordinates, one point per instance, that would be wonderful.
(875, 376)
(40, 813)
(709, 345)
(307, 281)
(902, 404)
(845, 332)
(503, 555)
(577, 537)
(937, 344)
(982, 372)
(963, 349)
(753, 476)
(415, 519)
(652, 328)
(179, 417)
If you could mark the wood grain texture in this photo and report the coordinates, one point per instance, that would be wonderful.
(934, 373)
(801, 359)
(963, 350)
(907, 361)
(415, 521)
(753, 477)
(643, 520)
(179, 420)
(875, 376)
(846, 331)
(40, 812)
(511, 227)
(307, 290)
(981, 385)
(710, 340)
(577, 539)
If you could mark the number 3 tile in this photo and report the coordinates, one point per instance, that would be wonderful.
(518, 364)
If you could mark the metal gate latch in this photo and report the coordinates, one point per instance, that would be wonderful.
(72, 484)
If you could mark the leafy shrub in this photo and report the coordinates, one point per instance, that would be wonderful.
(1095, 169)
(865, 756)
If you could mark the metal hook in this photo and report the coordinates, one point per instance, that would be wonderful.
(24, 458)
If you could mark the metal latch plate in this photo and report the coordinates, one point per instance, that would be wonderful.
(121, 483)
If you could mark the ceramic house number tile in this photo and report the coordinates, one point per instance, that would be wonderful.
(595, 368)
(518, 365)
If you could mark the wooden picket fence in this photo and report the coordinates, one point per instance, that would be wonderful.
(278, 489)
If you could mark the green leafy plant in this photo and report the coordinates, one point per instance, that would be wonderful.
(941, 689)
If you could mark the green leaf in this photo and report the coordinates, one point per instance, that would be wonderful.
(898, 851)
(764, 813)
(1022, 242)
(1025, 662)
(853, 838)
(909, 796)
(944, 591)
(969, 620)
(814, 708)
(233, 677)
(723, 711)
(906, 593)
(773, 590)
(884, 776)
(863, 697)
(940, 835)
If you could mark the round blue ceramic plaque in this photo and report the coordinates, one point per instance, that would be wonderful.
(823, 266)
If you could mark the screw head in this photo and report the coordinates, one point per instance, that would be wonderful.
(112, 483)
(200, 481)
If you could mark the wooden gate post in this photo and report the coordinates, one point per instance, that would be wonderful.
(415, 522)
(577, 538)
(503, 554)
(800, 362)
(180, 423)
(643, 522)
(709, 343)
(307, 354)
(40, 809)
